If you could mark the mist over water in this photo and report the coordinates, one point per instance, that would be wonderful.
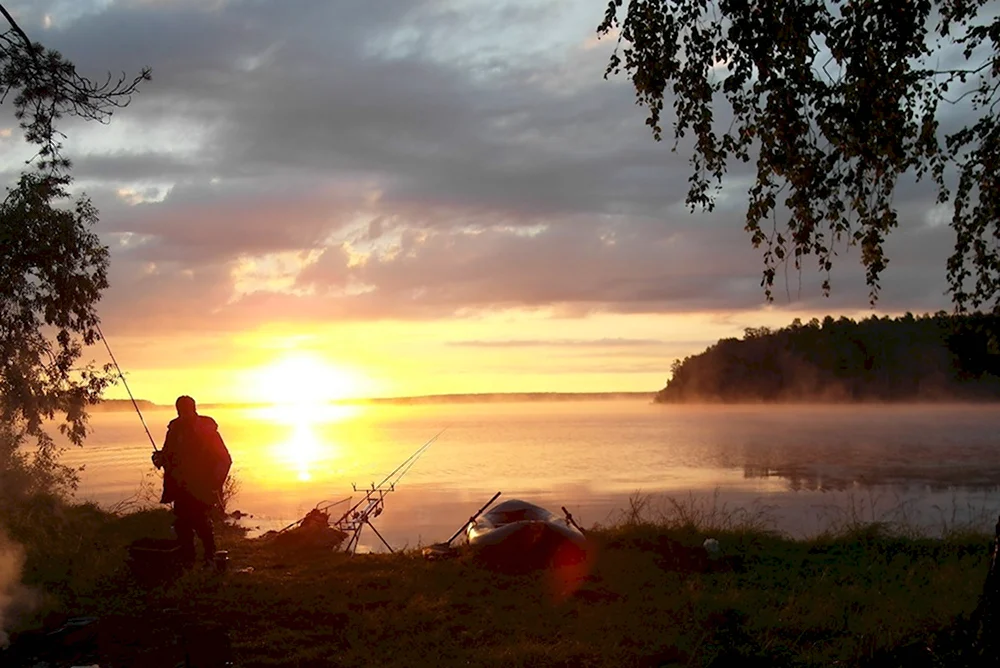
(806, 467)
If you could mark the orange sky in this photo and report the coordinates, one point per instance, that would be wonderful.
(502, 352)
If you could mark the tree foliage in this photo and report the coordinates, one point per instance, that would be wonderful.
(937, 356)
(834, 101)
(53, 268)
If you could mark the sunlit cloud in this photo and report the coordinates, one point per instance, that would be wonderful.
(141, 195)
(272, 272)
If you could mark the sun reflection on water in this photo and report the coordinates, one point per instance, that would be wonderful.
(305, 413)
(303, 450)
(309, 445)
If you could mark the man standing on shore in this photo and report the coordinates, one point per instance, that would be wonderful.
(195, 465)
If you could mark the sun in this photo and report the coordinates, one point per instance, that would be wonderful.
(305, 381)
(298, 389)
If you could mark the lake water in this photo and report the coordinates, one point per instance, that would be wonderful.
(804, 468)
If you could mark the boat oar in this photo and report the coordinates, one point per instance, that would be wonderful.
(569, 518)
(472, 519)
(440, 549)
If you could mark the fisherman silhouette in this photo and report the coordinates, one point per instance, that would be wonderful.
(195, 465)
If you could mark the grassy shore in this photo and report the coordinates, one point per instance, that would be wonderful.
(649, 596)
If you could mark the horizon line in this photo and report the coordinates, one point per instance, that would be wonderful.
(450, 396)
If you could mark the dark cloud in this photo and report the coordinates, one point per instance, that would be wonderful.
(419, 158)
(194, 224)
(133, 167)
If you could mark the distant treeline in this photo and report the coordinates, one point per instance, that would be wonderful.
(111, 405)
(504, 397)
(500, 397)
(469, 398)
(930, 357)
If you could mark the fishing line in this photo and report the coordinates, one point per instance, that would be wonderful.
(125, 382)
(413, 461)
(324, 504)
(371, 500)
(412, 458)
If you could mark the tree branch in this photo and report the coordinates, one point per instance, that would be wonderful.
(23, 35)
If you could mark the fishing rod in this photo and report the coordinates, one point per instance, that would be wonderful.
(407, 463)
(356, 517)
(381, 487)
(125, 383)
(412, 458)
(471, 520)
(441, 550)
(361, 513)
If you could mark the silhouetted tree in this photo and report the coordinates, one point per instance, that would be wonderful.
(53, 269)
(833, 102)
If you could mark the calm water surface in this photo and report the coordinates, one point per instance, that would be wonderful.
(803, 468)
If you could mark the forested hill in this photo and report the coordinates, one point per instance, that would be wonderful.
(932, 357)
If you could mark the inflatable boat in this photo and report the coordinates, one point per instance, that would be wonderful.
(519, 534)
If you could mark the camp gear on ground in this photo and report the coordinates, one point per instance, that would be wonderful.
(153, 560)
(312, 531)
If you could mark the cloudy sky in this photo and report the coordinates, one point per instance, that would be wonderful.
(410, 197)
